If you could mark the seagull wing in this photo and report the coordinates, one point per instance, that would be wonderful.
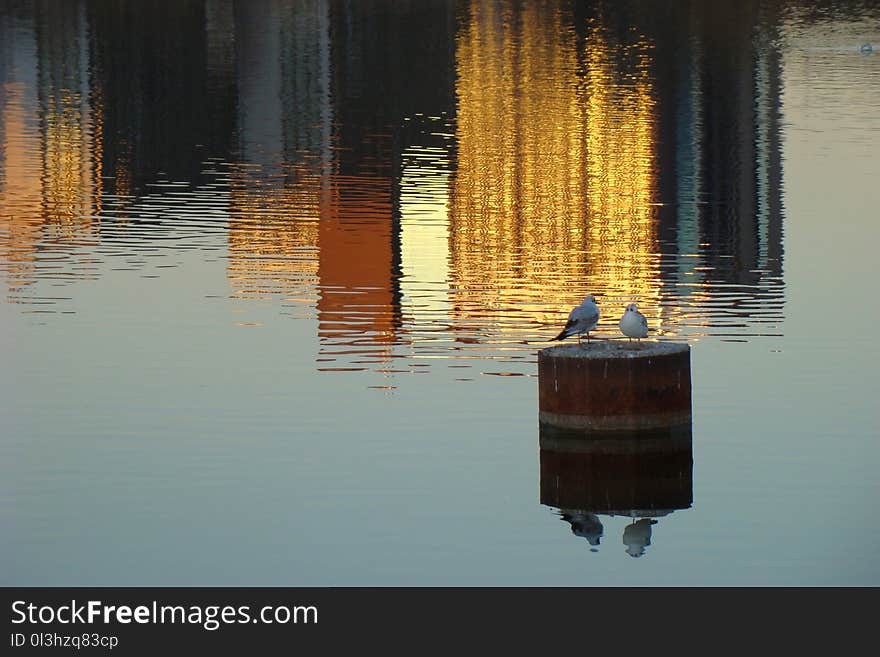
(581, 319)
(570, 329)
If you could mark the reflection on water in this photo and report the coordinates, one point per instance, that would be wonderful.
(640, 476)
(50, 190)
(225, 225)
(621, 165)
(556, 150)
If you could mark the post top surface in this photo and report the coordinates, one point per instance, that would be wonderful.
(605, 349)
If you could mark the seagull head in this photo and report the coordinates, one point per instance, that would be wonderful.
(591, 299)
(632, 307)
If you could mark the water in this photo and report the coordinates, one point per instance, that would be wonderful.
(276, 275)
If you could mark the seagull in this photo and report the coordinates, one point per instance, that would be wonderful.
(582, 319)
(633, 323)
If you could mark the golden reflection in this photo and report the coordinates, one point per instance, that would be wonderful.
(621, 169)
(50, 187)
(273, 234)
(71, 185)
(556, 167)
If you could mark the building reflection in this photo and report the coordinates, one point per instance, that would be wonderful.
(162, 70)
(359, 301)
(626, 149)
(590, 144)
(281, 185)
(21, 191)
(315, 212)
(722, 104)
(517, 213)
(643, 477)
(556, 161)
(50, 137)
(720, 173)
(379, 55)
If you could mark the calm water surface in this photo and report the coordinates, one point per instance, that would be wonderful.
(275, 276)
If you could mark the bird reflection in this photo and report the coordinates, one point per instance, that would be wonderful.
(586, 525)
(637, 536)
(640, 477)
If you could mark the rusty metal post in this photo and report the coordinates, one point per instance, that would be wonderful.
(615, 386)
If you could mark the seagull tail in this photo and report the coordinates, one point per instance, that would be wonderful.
(563, 334)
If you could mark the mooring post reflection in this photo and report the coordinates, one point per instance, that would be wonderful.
(638, 475)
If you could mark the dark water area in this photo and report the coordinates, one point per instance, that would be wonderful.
(275, 276)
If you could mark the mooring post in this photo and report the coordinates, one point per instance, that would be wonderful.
(615, 386)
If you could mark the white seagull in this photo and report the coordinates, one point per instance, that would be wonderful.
(637, 536)
(633, 323)
(582, 319)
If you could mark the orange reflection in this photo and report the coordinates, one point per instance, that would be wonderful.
(556, 167)
(300, 224)
(21, 192)
(50, 189)
(358, 300)
(318, 231)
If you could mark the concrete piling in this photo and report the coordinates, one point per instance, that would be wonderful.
(615, 386)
